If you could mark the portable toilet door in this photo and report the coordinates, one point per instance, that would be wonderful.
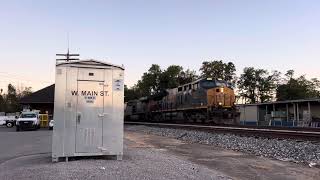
(90, 109)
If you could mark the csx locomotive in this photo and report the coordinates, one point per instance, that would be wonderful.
(204, 100)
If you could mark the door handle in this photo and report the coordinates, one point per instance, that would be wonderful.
(78, 117)
(102, 115)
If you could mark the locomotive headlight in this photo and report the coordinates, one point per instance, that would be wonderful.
(221, 90)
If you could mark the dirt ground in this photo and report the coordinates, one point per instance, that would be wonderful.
(233, 164)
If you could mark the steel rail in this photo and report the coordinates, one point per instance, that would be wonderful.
(272, 133)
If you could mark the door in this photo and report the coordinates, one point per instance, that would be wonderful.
(89, 116)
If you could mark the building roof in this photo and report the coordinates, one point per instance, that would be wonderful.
(45, 95)
(91, 62)
(283, 102)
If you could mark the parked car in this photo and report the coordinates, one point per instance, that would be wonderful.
(28, 120)
(10, 123)
(2, 120)
(10, 120)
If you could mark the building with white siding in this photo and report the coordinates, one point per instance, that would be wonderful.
(302, 112)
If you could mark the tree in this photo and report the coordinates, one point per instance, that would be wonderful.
(130, 94)
(218, 70)
(175, 76)
(297, 88)
(23, 91)
(12, 103)
(187, 76)
(289, 74)
(229, 72)
(150, 81)
(156, 80)
(257, 85)
(2, 102)
(267, 84)
(170, 77)
(247, 85)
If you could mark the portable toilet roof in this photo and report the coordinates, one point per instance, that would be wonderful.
(88, 63)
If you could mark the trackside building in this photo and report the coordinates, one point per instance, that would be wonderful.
(302, 113)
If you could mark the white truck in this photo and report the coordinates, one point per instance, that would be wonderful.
(8, 120)
(28, 120)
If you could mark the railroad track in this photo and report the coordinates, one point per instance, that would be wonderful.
(299, 134)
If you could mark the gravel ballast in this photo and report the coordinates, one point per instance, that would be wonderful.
(284, 150)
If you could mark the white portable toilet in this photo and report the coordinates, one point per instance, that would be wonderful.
(88, 110)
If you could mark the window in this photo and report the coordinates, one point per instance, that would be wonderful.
(31, 115)
(208, 84)
(179, 89)
(190, 86)
(217, 90)
(91, 74)
(196, 85)
(185, 88)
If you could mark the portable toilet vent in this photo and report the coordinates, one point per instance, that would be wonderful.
(88, 110)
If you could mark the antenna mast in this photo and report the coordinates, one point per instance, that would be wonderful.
(68, 56)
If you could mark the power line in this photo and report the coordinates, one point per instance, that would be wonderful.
(6, 73)
(18, 78)
(23, 82)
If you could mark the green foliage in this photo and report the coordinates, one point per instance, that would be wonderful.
(187, 76)
(170, 77)
(150, 81)
(218, 70)
(25, 92)
(10, 102)
(257, 85)
(2, 101)
(175, 76)
(298, 88)
(11, 99)
(130, 94)
(254, 85)
(156, 80)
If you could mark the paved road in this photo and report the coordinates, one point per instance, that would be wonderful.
(24, 143)
(26, 155)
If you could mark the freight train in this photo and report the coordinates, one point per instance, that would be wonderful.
(205, 100)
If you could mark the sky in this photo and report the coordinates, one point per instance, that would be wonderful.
(273, 34)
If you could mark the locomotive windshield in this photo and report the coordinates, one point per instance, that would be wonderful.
(207, 84)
